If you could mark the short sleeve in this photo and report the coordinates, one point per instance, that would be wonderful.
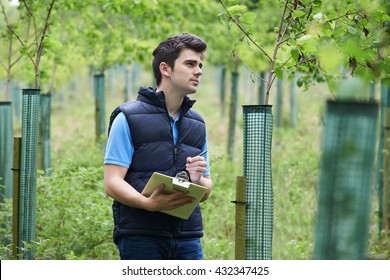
(120, 147)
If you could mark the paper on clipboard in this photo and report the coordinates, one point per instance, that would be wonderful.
(173, 184)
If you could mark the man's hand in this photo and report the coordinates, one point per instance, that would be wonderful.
(196, 166)
(159, 200)
(117, 188)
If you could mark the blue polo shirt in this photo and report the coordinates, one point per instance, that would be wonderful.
(120, 147)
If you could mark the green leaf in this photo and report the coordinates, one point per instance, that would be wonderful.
(278, 72)
(300, 82)
(236, 9)
(248, 17)
(332, 24)
(385, 17)
(351, 7)
(352, 48)
(351, 30)
(310, 47)
(299, 13)
(307, 43)
(304, 39)
(24, 50)
(295, 54)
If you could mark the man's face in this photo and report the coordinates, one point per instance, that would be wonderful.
(187, 71)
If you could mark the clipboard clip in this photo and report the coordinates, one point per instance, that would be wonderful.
(182, 176)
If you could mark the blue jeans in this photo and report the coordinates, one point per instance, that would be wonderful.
(159, 248)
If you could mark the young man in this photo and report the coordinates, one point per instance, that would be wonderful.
(159, 132)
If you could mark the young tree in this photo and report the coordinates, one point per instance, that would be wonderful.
(320, 41)
(36, 28)
(12, 54)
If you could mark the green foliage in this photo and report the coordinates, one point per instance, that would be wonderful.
(95, 34)
(5, 229)
(74, 217)
(74, 214)
(295, 171)
(380, 247)
(320, 41)
(35, 17)
(219, 244)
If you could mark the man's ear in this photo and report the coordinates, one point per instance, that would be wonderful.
(165, 69)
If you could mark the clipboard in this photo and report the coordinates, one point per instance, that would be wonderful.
(174, 184)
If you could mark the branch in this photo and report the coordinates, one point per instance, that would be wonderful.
(243, 30)
(13, 33)
(40, 47)
(18, 50)
(280, 35)
(277, 45)
(2, 64)
(16, 61)
(9, 51)
(323, 23)
(3, 12)
(97, 243)
(33, 19)
(338, 12)
(286, 27)
(41, 44)
(236, 56)
(21, 42)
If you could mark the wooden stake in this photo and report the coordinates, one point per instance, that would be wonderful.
(240, 217)
(16, 187)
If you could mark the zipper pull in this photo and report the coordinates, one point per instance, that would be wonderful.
(174, 160)
(175, 154)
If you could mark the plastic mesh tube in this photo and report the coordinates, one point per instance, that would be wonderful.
(28, 168)
(6, 148)
(347, 166)
(258, 122)
(45, 132)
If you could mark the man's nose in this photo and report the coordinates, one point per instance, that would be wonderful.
(198, 71)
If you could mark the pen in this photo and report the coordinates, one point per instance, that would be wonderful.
(201, 154)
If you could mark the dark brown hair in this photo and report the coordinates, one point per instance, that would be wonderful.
(169, 50)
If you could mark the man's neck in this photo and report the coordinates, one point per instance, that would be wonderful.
(173, 101)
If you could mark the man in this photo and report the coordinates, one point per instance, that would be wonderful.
(159, 132)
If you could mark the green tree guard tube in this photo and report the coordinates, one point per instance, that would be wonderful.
(346, 178)
(258, 124)
(28, 171)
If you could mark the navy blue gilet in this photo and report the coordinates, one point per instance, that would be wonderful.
(154, 150)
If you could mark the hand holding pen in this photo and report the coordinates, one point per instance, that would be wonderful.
(201, 154)
(196, 166)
